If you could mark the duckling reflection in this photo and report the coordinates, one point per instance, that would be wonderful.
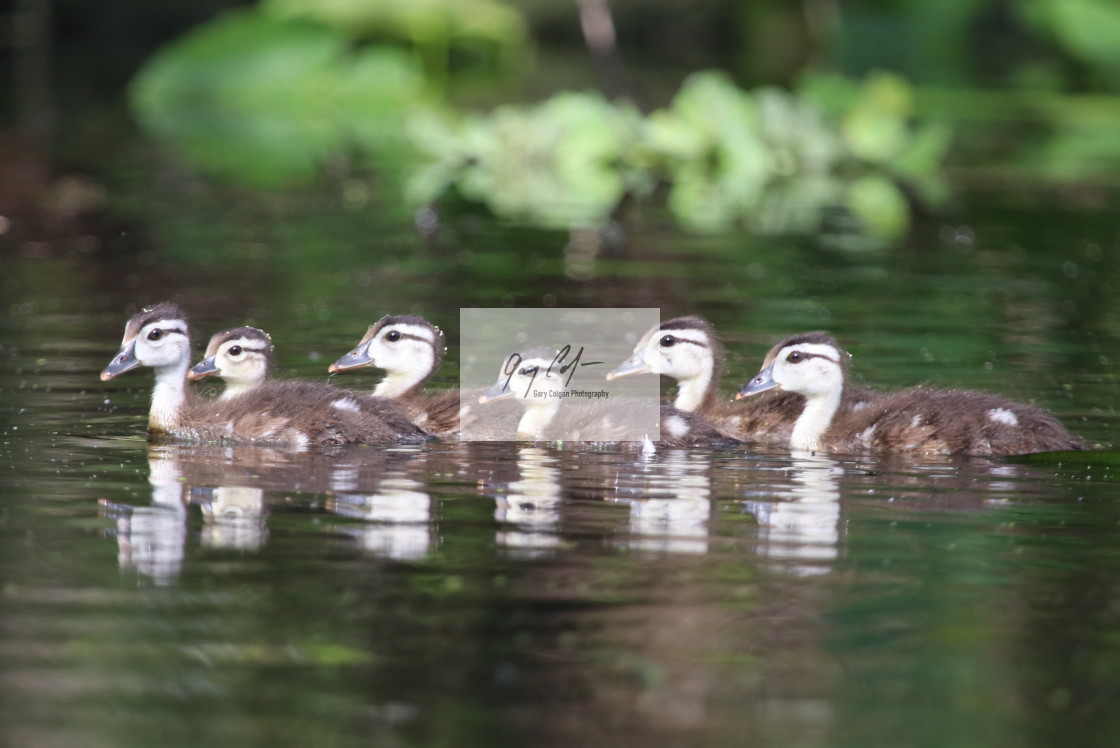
(803, 526)
(151, 539)
(675, 507)
(233, 517)
(398, 519)
(530, 509)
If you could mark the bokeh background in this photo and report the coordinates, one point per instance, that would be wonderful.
(851, 121)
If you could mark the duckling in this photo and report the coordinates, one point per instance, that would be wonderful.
(241, 356)
(687, 349)
(410, 349)
(549, 417)
(919, 420)
(293, 413)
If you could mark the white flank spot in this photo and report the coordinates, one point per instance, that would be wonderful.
(868, 432)
(859, 406)
(916, 421)
(676, 426)
(1002, 415)
(346, 404)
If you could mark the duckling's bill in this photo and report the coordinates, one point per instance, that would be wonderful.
(500, 390)
(203, 369)
(629, 367)
(125, 360)
(353, 360)
(764, 381)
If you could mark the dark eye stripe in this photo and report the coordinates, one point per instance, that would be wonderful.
(805, 355)
(698, 343)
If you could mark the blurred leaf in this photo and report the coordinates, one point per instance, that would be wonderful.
(1088, 29)
(215, 93)
(880, 206)
(559, 164)
(877, 127)
(485, 30)
(799, 141)
(925, 151)
(266, 102)
(796, 205)
(718, 162)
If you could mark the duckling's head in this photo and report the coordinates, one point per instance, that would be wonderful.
(811, 364)
(397, 343)
(157, 336)
(532, 376)
(242, 356)
(684, 348)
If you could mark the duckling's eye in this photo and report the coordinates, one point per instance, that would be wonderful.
(155, 334)
(794, 357)
(392, 336)
(668, 341)
(234, 350)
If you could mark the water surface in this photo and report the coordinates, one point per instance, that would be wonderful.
(517, 594)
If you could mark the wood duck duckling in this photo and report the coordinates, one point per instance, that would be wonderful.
(410, 349)
(535, 381)
(293, 413)
(688, 350)
(241, 356)
(919, 420)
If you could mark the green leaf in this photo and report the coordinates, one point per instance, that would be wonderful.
(877, 127)
(267, 102)
(880, 206)
(1088, 29)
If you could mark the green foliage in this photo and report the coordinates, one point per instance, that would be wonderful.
(267, 102)
(485, 34)
(1087, 29)
(773, 160)
(558, 164)
(711, 146)
(768, 159)
(267, 97)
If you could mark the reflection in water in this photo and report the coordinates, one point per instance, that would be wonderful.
(530, 509)
(151, 539)
(231, 486)
(399, 519)
(675, 506)
(233, 517)
(804, 524)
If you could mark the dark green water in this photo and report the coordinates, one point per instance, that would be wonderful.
(511, 595)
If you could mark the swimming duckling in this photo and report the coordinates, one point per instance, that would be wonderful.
(687, 349)
(241, 356)
(548, 417)
(410, 349)
(293, 413)
(921, 420)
